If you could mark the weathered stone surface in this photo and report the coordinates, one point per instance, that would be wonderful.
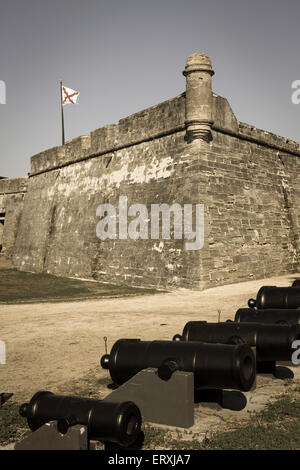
(247, 179)
(12, 191)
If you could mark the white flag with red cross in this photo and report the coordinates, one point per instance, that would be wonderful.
(69, 95)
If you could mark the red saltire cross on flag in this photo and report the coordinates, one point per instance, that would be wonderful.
(69, 95)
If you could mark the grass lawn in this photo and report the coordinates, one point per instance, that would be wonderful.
(275, 428)
(18, 286)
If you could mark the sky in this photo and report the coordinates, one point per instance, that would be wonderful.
(126, 55)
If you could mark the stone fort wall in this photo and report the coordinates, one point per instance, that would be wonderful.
(12, 192)
(247, 179)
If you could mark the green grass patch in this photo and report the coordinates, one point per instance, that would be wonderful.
(18, 286)
(277, 427)
(12, 426)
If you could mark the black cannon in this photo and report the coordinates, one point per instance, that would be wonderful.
(276, 297)
(214, 366)
(105, 421)
(280, 316)
(273, 342)
(296, 283)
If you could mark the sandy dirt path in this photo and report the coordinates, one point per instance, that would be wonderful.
(49, 344)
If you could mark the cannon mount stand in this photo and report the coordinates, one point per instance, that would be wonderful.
(270, 367)
(171, 402)
(47, 437)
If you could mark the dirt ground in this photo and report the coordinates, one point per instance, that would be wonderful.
(50, 344)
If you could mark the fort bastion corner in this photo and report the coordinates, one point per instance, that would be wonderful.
(188, 150)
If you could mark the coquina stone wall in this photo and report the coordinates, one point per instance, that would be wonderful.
(12, 192)
(247, 179)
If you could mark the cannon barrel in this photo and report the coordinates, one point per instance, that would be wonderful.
(280, 316)
(276, 297)
(105, 421)
(272, 342)
(214, 365)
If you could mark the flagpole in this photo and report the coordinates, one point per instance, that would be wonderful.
(62, 114)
